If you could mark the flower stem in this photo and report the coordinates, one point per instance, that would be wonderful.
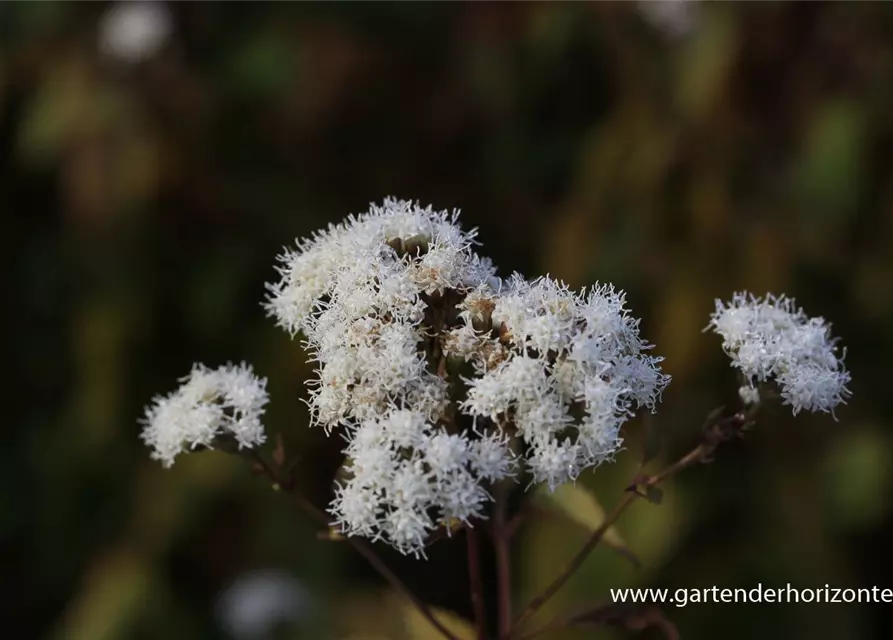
(359, 546)
(501, 542)
(697, 454)
(476, 581)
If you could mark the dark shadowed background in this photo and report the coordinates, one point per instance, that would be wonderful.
(154, 158)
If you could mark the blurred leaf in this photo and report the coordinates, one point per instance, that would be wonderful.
(830, 170)
(115, 590)
(548, 32)
(99, 336)
(680, 308)
(364, 615)
(581, 506)
(654, 532)
(32, 18)
(857, 480)
(263, 65)
(60, 104)
(420, 628)
(704, 62)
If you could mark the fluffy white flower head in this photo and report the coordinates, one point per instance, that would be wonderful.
(376, 263)
(210, 404)
(772, 339)
(571, 370)
(431, 366)
(409, 477)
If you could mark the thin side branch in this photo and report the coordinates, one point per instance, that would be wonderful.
(359, 546)
(694, 456)
(716, 430)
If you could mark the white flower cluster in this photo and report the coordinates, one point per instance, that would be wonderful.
(571, 368)
(211, 404)
(375, 264)
(437, 371)
(408, 477)
(432, 364)
(772, 338)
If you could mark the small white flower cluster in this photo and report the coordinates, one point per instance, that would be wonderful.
(227, 402)
(391, 303)
(403, 469)
(375, 264)
(570, 369)
(772, 338)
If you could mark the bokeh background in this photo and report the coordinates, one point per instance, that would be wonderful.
(154, 158)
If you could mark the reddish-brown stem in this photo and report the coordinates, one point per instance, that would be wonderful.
(476, 582)
(359, 546)
(502, 534)
(698, 454)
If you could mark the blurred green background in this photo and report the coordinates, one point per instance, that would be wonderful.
(155, 158)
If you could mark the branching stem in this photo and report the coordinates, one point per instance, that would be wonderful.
(698, 454)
